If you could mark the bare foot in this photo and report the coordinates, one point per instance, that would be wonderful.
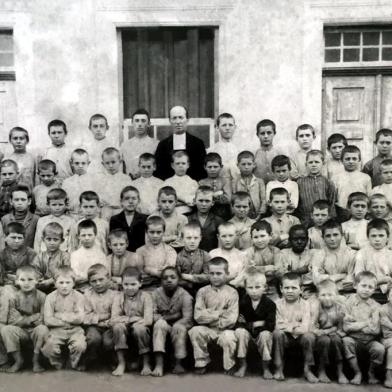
(372, 380)
(388, 384)
(157, 372)
(146, 371)
(14, 368)
(310, 377)
(278, 375)
(324, 378)
(201, 370)
(37, 368)
(178, 369)
(119, 370)
(267, 375)
(342, 379)
(231, 371)
(357, 379)
(240, 372)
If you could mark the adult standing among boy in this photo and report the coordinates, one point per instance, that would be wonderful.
(180, 140)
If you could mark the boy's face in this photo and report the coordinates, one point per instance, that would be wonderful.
(279, 204)
(155, 233)
(298, 240)
(57, 207)
(327, 296)
(226, 128)
(227, 237)
(170, 281)
(20, 201)
(241, 208)
(305, 139)
(118, 245)
(319, 217)
(129, 201)
(64, 285)
(147, 167)
(336, 150)
(14, 241)
(191, 238)
(140, 124)
(57, 135)
(167, 203)
(99, 282)
(89, 209)
(365, 287)
(27, 281)
(291, 289)
(332, 238)
(217, 275)
(52, 241)
(18, 140)
(204, 201)
(246, 166)
(384, 145)
(8, 174)
(386, 174)
(80, 163)
(87, 237)
(358, 209)
(379, 208)
(282, 173)
(351, 161)
(131, 285)
(180, 165)
(260, 238)
(255, 287)
(314, 164)
(46, 176)
(111, 162)
(213, 169)
(266, 136)
(378, 238)
(99, 128)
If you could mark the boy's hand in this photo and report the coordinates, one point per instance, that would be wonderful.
(269, 268)
(187, 277)
(104, 316)
(257, 324)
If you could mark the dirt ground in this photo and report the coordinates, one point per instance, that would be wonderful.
(71, 381)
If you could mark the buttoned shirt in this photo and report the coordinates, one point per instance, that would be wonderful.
(48, 263)
(96, 305)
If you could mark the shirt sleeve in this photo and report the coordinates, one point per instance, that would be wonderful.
(230, 313)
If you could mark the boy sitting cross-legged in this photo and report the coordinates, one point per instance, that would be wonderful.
(216, 313)
(25, 322)
(173, 314)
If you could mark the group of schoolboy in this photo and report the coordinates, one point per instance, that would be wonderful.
(276, 251)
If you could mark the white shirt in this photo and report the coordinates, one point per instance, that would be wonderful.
(83, 258)
(179, 141)
(148, 189)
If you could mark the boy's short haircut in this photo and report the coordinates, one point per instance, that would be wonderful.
(155, 220)
(169, 268)
(244, 155)
(191, 226)
(27, 269)
(213, 157)
(261, 225)
(321, 204)
(331, 224)
(96, 269)
(226, 225)
(295, 228)
(315, 153)
(87, 224)
(222, 116)
(79, 151)
(386, 162)
(97, 116)
(279, 192)
(383, 132)
(241, 196)
(351, 149)
(378, 196)
(8, 163)
(22, 188)
(141, 111)
(131, 272)
(117, 233)
(304, 127)
(146, 156)
(215, 261)
(336, 138)
(129, 188)
(357, 196)
(279, 161)
(15, 227)
(65, 272)
(327, 284)
(167, 191)
(379, 224)
(291, 276)
(364, 275)
(53, 228)
(57, 123)
(19, 129)
(56, 194)
(47, 164)
(89, 196)
(179, 154)
(204, 189)
(111, 151)
(265, 123)
(253, 272)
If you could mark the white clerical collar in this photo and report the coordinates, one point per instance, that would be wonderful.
(179, 141)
